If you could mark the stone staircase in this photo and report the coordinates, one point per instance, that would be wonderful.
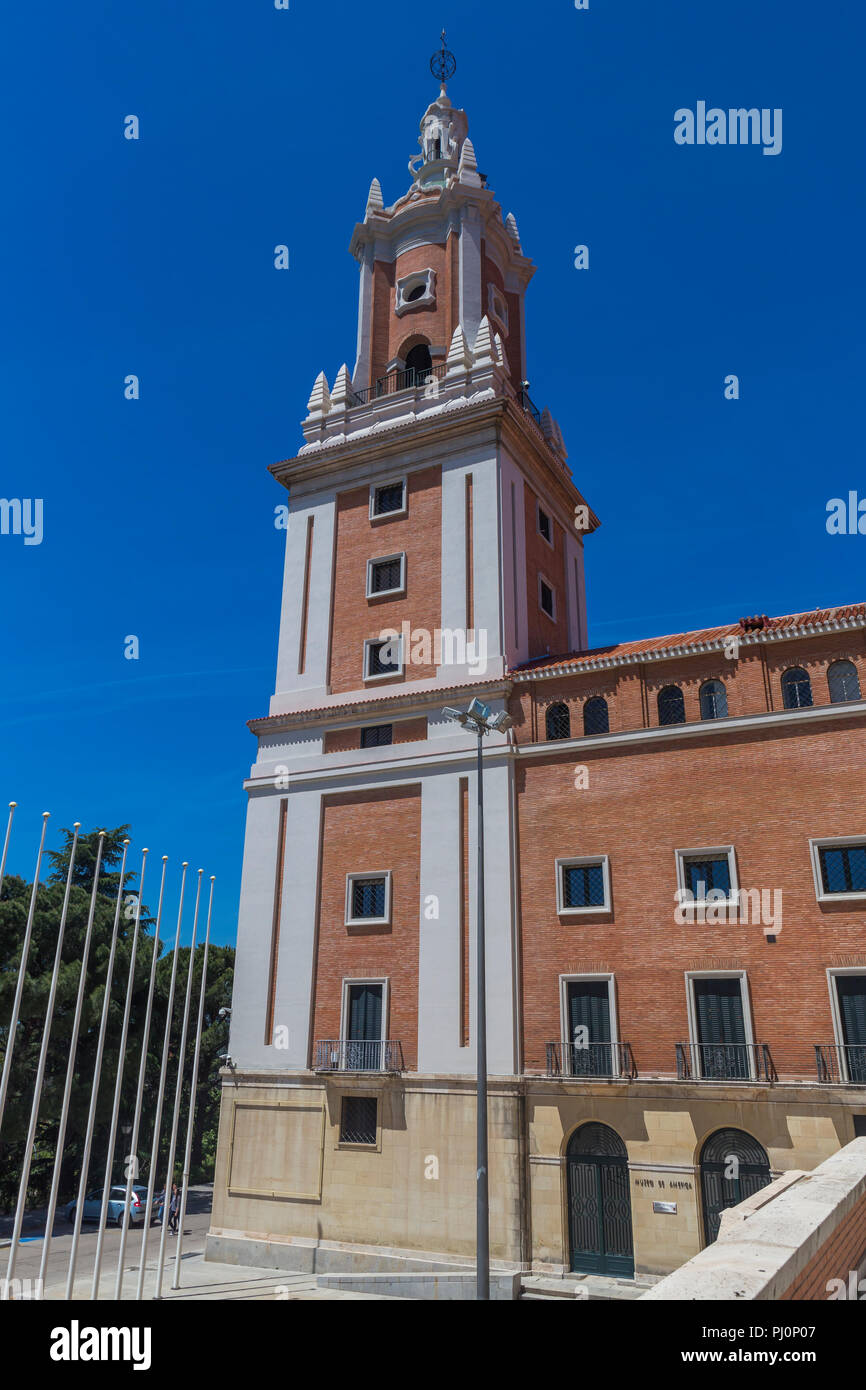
(584, 1287)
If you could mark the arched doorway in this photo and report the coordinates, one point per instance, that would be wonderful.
(599, 1203)
(733, 1166)
(419, 363)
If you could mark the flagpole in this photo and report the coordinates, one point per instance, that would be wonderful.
(40, 1073)
(175, 1284)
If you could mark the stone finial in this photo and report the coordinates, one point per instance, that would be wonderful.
(560, 442)
(342, 392)
(460, 359)
(500, 353)
(320, 401)
(547, 425)
(375, 201)
(485, 352)
(511, 228)
(467, 170)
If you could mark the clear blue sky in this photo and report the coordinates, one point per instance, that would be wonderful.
(261, 127)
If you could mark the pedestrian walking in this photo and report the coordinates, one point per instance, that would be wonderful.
(173, 1209)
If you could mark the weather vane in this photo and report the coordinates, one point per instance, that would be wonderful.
(443, 64)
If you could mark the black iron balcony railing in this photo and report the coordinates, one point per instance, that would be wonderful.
(525, 401)
(610, 1060)
(410, 379)
(725, 1062)
(840, 1065)
(345, 1054)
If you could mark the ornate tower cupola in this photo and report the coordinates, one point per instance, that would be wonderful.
(442, 258)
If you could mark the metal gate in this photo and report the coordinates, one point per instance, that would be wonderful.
(733, 1167)
(599, 1203)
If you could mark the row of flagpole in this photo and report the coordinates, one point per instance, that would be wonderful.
(131, 1162)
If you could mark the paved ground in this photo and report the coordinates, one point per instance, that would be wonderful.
(199, 1280)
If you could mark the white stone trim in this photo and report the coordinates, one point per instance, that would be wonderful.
(743, 977)
(407, 283)
(836, 841)
(698, 908)
(348, 981)
(539, 512)
(383, 560)
(543, 579)
(836, 1015)
(379, 486)
(384, 921)
(578, 861)
(564, 982)
(392, 675)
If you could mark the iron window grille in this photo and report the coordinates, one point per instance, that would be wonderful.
(843, 868)
(844, 682)
(557, 722)
(796, 689)
(596, 719)
(378, 654)
(714, 700)
(368, 897)
(386, 576)
(378, 736)
(389, 498)
(358, 1116)
(672, 706)
(583, 885)
(705, 875)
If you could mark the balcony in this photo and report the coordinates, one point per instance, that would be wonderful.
(348, 1055)
(725, 1062)
(841, 1066)
(611, 1061)
(410, 379)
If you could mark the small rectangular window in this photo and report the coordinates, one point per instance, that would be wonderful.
(546, 599)
(378, 736)
(389, 499)
(358, 1117)
(703, 875)
(545, 527)
(368, 899)
(707, 877)
(843, 868)
(386, 575)
(583, 885)
(382, 659)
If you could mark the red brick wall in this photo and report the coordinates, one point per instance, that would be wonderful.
(360, 832)
(405, 731)
(492, 275)
(843, 1252)
(544, 635)
(766, 792)
(354, 616)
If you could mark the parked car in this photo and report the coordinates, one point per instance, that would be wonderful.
(116, 1199)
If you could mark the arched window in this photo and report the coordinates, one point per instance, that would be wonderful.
(672, 706)
(843, 681)
(558, 722)
(419, 361)
(595, 716)
(714, 700)
(796, 689)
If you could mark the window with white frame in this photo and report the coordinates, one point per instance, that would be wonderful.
(848, 1004)
(388, 499)
(839, 868)
(383, 658)
(415, 291)
(368, 899)
(546, 597)
(497, 307)
(720, 1026)
(589, 1025)
(386, 575)
(545, 525)
(583, 885)
(707, 876)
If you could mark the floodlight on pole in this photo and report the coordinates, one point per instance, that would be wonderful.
(478, 719)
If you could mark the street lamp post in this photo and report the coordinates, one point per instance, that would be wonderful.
(480, 722)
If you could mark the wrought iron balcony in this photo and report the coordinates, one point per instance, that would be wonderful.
(844, 1065)
(527, 404)
(725, 1062)
(607, 1061)
(410, 379)
(346, 1054)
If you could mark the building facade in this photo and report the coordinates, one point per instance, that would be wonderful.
(675, 829)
